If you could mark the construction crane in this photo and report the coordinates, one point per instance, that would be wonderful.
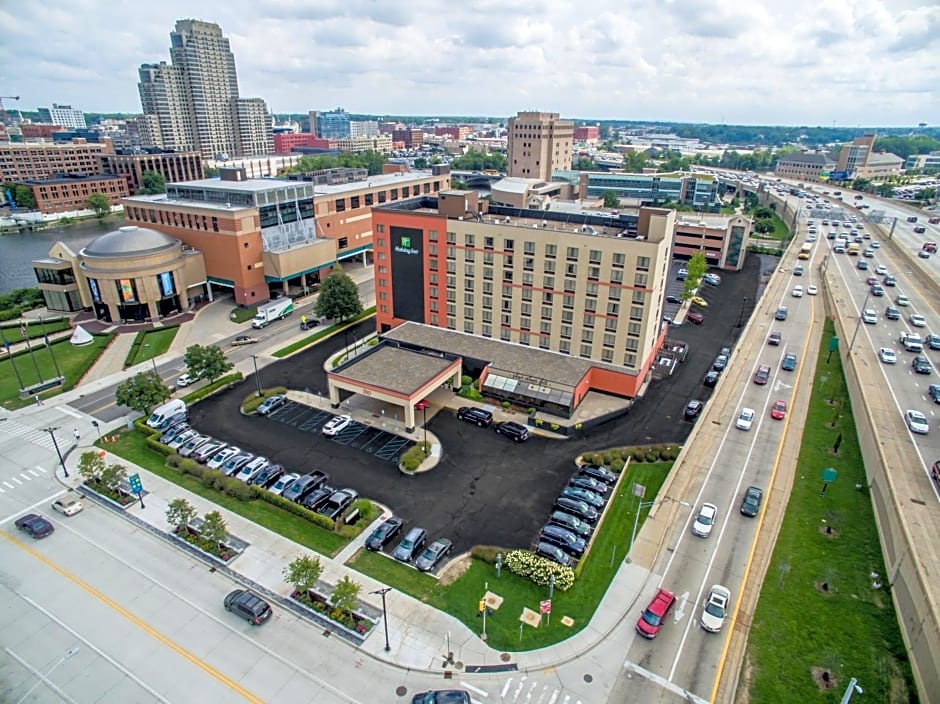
(4, 117)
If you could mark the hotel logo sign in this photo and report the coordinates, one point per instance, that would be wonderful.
(404, 247)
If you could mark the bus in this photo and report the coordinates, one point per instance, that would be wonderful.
(806, 250)
(854, 248)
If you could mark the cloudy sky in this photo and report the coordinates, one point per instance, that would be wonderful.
(806, 62)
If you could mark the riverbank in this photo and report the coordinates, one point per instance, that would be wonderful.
(9, 226)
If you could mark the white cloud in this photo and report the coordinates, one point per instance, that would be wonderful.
(854, 62)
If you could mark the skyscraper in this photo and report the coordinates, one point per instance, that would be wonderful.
(539, 143)
(64, 115)
(195, 99)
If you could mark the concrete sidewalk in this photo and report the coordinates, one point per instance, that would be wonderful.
(112, 359)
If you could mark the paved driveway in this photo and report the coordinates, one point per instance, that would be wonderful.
(487, 489)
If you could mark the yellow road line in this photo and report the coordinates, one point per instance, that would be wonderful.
(152, 632)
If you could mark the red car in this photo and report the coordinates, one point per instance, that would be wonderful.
(779, 410)
(654, 615)
(762, 375)
(695, 318)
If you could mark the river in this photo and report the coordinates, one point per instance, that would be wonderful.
(18, 250)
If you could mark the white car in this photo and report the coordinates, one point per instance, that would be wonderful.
(67, 506)
(745, 419)
(251, 470)
(881, 270)
(875, 244)
(716, 607)
(336, 425)
(702, 525)
(917, 422)
(902, 300)
(797, 291)
(917, 320)
(223, 456)
(869, 317)
(887, 355)
(281, 484)
(186, 380)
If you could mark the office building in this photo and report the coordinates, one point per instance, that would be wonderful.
(923, 162)
(582, 286)
(380, 143)
(455, 132)
(854, 156)
(410, 137)
(586, 133)
(287, 142)
(167, 119)
(173, 166)
(69, 194)
(697, 190)
(331, 124)
(254, 136)
(539, 143)
(31, 161)
(882, 164)
(35, 131)
(64, 115)
(809, 166)
(363, 128)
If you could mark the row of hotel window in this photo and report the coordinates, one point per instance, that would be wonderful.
(127, 288)
(174, 218)
(379, 197)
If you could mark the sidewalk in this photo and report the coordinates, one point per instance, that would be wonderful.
(112, 359)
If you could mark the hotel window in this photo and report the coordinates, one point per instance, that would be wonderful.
(528, 263)
(639, 297)
(592, 290)
(564, 347)
(383, 283)
(505, 335)
(565, 332)
(613, 308)
(568, 302)
(469, 255)
(505, 319)
(380, 228)
(589, 320)
(643, 263)
(432, 251)
(544, 342)
(629, 360)
(594, 273)
(381, 195)
(609, 340)
(451, 309)
(427, 187)
(545, 327)
(507, 291)
(435, 320)
(607, 356)
(468, 326)
(572, 254)
(383, 295)
(451, 238)
(616, 276)
(451, 267)
(610, 324)
(488, 273)
(546, 298)
(451, 323)
(393, 194)
(354, 202)
(488, 242)
(506, 306)
(487, 331)
(618, 260)
(587, 336)
(487, 316)
(432, 235)
(452, 253)
(546, 313)
(487, 301)
(526, 309)
(468, 240)
(636, 313)
(369, 199)
(488, 287)
(433, 304)
(468, 285)
(468, 313)
(524, 338)
(529, 247)
(452, 282)
(613, 294)
(415, 190)
(340, 205)
(382, 256)
(550, 251)
(383, 308)
(567, 316)
(634, 330)
(586, 351)
(487, 257)
(571, 285)
(342, 242)
(594, 256)
(509, 245)
(468, 299)
(549, 267)
(571, 270)
(526, 294)
(468, 270)
(548, 282)
(641, 279)
(507, 274)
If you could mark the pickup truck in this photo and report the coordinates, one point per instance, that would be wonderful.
(775, 338)
(244, 340)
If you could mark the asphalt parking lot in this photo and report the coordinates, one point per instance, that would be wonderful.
(486, 489)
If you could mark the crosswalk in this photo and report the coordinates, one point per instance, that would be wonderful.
(12, 481)
(31, 435)
(531, 691)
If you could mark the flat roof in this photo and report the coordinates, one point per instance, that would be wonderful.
(377, 181)
(396, 369)
(250, 185)
(72, 179)
(162, 198)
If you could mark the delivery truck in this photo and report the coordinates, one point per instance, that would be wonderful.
(272, 310)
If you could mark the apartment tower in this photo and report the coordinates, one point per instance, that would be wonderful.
(539, 143)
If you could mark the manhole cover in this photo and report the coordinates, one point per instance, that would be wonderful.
(588, 678)
(505, 657)
(401, 691)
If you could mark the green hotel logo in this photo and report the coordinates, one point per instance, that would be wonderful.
(406, 242)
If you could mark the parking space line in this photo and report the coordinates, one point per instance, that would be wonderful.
(377, 441)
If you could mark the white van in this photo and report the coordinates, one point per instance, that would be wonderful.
(167, 410)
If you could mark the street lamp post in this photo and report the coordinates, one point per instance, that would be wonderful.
(152, 360)
(45, 677)
(858, 323)
(639, 510)
(55, 444)
(254, 360)
(97, 427)
(383, 592)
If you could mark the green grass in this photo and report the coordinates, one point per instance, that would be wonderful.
(461, 598)
(851, 630)
(159, 340)
(35, 329)
(310, 339)
(72, 361)
(242, 315)
(132, 446)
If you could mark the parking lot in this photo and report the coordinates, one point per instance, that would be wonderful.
(486, 489)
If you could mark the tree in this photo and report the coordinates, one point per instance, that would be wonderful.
(210, 171)
(861, 184)
(583, 163)
(885, 190)
(302, 573)
(99, 203)
(153, 183)
(635, 162)
(23, 197)
(180, 513)
(113, 475)
(764, 225)
(477, 160)
(421, 163)
(610, 199)
(90, 466)
(763, 212)
(696, 267)
(339, 297)
(346, 594)
(141, 392)
(207, 362)
(213, 529)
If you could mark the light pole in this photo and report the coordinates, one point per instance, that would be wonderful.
(97, 427)
(853, 688)
(254, 360)
(152, 360)
(639, 510)
(44, 678)
(858, 323)
(55, 444)
(383, 592)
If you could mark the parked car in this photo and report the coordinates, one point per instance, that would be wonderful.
(316, 498)
(337, 504)
(67, 506)
(553, 553)
(572, 523)
(745, 419)
(721, 361)
(716, 608)
(576, 508)
(750, 504)
(704, 520)
(585, 495)
(596, 471)
(171, 421)
(693, 409)
(582, 482)
(249, 606)
(711, 378)
(433, 554)
(193, 444)
(234, 464)
(478, 416)
(303, 485)
(695, 318)
(271, 404)
(387, 530)
(778, 411)
(567, 540)
(207, 451)
(35, 526)
(514, 431)
(181, 439)
(268, 475)
(185, 380)
(789, 362)
(248, 472)
(762, 375)
(336, 425)
(411, 544)
(442, 696)
(284, 481)
(181, 427)
(654, 615)
(226, 453)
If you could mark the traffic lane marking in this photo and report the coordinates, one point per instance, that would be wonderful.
(19, 512)
(147, 628)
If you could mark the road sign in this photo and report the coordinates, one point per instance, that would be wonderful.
(545, 606)
(134, 481)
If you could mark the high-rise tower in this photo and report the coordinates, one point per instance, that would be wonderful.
(539, 143)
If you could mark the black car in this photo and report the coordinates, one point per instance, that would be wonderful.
(934, 392)
(411, 544)
(384, 534)
(932, 341)
(35, 525)
(589, 483)
(318, 497)
(250, 607)
(514, 431)
(337, 504)
(750, 505)
(693, 409)
(890, 280)
(585, 495)
(302, 486)
(595, 471)
(721, 361)
(478, 416)
(921, 365)
(433, 553)
(181, 427)
(576, 508)
(267, 476)
(892, 313)
(711, 379)
(442, 696)
(673, 299)
(554, 553)
(572, 523)
(568, 541)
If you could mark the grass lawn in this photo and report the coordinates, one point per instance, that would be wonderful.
(35, 329)
(310, 339)
(132, 446)
(72, 362)
(461, 598)
(159, 340)
(849, 630)
(242, 315)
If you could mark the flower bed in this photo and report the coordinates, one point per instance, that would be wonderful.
(353, 622)
(117, 497)
(222, 552)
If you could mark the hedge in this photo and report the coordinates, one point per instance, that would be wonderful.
(539, 569)
(218, 384)
(253, 400)
(487, 553)
(296, 509)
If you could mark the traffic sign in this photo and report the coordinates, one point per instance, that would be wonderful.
(134, 481)
(545, 606)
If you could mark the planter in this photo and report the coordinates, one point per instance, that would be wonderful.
(224, 556)
(121, 505)
(228, 549)
(363, 623)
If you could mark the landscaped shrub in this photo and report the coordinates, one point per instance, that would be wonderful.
(488, 553)
(608, 458)
(193, 468)
(531, 410)
(220, 383)
(652, 456)
(218, 481)
(296, 509)
(237, 489)
(539, 569)
(173, 460)
(589, 458)
(638, 455)
(470, 392)
(465, 380)
(617, 465)
(412, 459)
(154, 444)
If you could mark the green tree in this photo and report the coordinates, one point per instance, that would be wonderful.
(207, 362)
(99, 203)
(346, 594)
(885, 190)
(23, 197)
(421, 163)
(113, 475)
(610, 199)
(459, 185)
(90, 466)
(141, 392)
(302, 573)
(763, 212)
(153, 183)
(213, 529)
(697, 267)
(763, 225)
(180, 513)
(210, 172)
(583, 163)
(478, 160)
(635, 162)
(861, 184)
(339, 297)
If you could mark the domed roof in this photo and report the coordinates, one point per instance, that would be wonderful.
(128, 241)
